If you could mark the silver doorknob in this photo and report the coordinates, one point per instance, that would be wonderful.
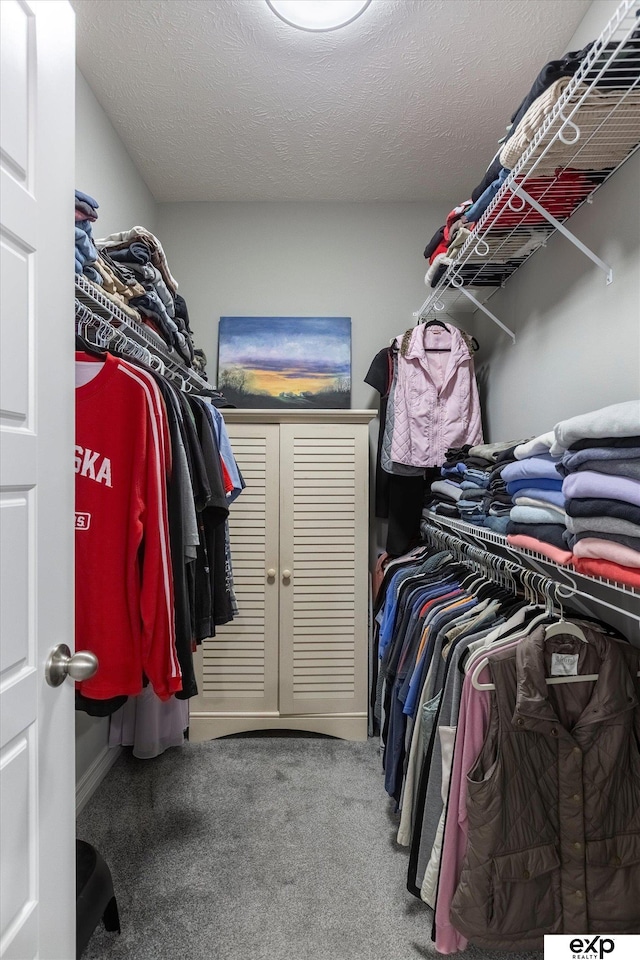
(271, 573)
(81, 666)
(286, 574)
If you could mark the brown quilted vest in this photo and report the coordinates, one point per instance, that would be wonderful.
(554, 799)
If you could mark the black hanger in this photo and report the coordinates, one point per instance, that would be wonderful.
(439, 323)
(86, 346)
(436, 323)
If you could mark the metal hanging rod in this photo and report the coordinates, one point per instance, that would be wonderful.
(511, 575)
(100, 306)
(485, 540)
(110, 337)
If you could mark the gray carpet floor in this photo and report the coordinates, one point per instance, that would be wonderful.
(256, 849)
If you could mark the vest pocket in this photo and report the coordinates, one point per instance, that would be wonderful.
(613, 884)
(526, 891)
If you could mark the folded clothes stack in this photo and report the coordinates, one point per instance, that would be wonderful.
(498, 503)
(572, 494)
(464, 490)
(86, 253)
(141, 254)
(446, 243)
(474, 483)
(132, 271)
(600, 463)
(537, 517)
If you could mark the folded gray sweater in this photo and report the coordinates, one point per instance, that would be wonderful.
(603, 524)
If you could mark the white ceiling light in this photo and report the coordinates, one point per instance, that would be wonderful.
(318, 16)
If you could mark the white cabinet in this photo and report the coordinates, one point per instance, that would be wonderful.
(296, 656)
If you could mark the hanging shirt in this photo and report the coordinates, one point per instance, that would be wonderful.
(224, 445)
(124, 587)
(436, 404)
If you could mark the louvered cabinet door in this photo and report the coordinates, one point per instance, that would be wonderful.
(239, 666)
(323, 546)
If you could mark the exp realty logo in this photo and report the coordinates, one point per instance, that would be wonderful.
(592, 946)
(585, 948)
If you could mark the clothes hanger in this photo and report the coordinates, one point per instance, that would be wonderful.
(439, 323)
(435, 323)
(561, 626)
(523, 631)
(83, 343)
(86, 346)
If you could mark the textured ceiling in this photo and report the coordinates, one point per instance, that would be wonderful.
(220, 100)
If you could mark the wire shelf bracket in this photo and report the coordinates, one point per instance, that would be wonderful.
(457, 283)
(439, 305)
(519, 191)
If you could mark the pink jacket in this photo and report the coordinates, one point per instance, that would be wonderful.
(436, 403)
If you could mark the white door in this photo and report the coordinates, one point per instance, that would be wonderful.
(37, 797)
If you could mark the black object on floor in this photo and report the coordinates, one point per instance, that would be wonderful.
(95, 899)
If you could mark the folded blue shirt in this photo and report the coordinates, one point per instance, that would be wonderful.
(87, 199)
(538, 483)
(543, 466)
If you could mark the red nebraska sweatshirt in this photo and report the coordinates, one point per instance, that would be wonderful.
(124, 584)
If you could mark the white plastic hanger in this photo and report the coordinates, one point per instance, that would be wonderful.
(561, 627)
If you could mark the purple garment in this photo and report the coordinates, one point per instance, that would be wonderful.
(532, 467)
(149, 725)
(587, 483)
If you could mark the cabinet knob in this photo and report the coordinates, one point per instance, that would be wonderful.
(286, 574)
(271, 573)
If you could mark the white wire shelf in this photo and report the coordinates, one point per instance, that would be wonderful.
(592, 129)
(480, 536)
(100, 305)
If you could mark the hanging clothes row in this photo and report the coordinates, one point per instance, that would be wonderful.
(520, 803)
(155, 477)
(428, 402)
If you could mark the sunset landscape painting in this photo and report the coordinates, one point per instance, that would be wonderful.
(271, 362)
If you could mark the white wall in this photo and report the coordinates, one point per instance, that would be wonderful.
(578, 340)
(592, 24)
(361, 260)
(105, 170)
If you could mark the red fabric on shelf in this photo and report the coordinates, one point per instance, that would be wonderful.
(559, 195)
(441, 248)
(610, 571)
(563, 557)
